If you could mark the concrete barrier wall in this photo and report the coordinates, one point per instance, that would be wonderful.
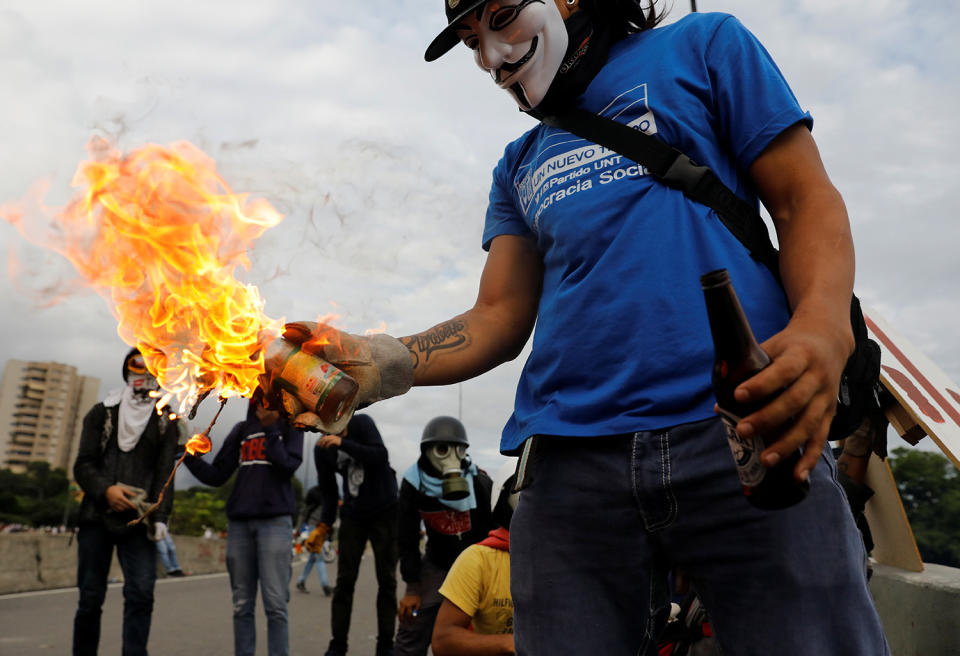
(38, 561)
(920, 610)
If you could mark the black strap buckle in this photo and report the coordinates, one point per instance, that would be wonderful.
(684, 173)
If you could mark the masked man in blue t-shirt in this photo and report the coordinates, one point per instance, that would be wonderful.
(632, 474)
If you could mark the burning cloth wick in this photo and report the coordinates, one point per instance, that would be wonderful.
(201, 444)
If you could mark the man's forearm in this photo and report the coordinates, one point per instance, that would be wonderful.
(465, 346)
(817, 258)
(495, 329)
(459, 641)
(813, 230)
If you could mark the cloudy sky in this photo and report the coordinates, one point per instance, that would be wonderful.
(381, 162)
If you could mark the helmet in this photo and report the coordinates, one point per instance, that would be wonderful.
(444, 429)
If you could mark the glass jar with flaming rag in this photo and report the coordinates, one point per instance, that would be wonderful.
(321, 388)
(159, 235)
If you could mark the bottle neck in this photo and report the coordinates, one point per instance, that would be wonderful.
(733, 338)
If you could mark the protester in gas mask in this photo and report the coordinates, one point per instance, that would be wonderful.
(450, 495)
(614, 411)
(476, 615)
(124, 458)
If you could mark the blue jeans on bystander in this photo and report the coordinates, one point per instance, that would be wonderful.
(168, 554)
(260, 550)
(315, 560)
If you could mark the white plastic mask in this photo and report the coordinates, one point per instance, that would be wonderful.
(521, 44)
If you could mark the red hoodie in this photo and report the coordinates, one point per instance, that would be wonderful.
(499, 538)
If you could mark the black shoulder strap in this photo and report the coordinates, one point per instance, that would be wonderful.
(674, 168)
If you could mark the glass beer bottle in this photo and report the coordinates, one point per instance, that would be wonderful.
(323, 389)
(738, 357)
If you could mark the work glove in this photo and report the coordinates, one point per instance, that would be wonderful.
(159, 531)
(380, 364)
(136, 496)
(317, 537)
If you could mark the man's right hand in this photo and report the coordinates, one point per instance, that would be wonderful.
(407, 608)
(329, 441)
(381, 364)
(118, 498)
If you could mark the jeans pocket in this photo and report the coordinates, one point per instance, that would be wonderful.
(526, 463)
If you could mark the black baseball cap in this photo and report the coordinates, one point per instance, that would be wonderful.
(456, 10)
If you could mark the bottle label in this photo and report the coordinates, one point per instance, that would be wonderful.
(746, 451)
(311, 377)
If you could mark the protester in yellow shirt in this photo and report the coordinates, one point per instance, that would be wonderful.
(476, 590)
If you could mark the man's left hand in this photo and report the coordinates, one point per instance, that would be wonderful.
(159, 531)
(803, 381)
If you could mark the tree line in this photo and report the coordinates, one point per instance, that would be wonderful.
(43, 496)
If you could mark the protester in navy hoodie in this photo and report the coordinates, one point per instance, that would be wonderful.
(267, 452)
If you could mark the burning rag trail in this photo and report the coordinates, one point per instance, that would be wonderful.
(159, 235)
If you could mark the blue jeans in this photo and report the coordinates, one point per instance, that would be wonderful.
(314, 559)
(168, 553)
(604, 519)
(138, 561)
(260, 550)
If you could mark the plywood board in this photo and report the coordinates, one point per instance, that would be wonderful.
(893, 541)
(921, 388)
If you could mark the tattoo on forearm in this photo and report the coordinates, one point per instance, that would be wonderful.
(446, 336)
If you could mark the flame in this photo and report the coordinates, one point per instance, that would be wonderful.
(198, 444)
(159, 235)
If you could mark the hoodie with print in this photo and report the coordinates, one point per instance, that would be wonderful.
(266, 457)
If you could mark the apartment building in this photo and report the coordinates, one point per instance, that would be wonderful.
(42, 406)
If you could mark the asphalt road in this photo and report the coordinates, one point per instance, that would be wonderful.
(191, 617)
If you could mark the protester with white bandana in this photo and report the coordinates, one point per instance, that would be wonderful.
(450, 495)
(125, 456)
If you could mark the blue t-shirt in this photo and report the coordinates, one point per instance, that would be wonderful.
(622, 341)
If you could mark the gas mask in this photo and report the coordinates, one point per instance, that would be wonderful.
(447, 458)
(139, 379)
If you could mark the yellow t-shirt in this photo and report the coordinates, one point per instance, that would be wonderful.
(478, 583)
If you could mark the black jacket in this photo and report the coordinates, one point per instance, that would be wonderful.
(361, 455)
(100, 463)
(448, 531)
(267, 457)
